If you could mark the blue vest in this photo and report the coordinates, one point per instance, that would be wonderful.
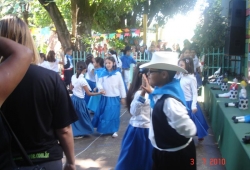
(165, 136)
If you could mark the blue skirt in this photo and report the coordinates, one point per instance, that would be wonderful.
(92, 86)
(126, 88)
(107, 116)
(136, 150)
(94, 102)
(199, 120)
(83, 125)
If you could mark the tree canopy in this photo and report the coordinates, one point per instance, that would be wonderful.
(75, 18)
(211, 30)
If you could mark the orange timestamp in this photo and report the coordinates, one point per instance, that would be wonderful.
(210, 161)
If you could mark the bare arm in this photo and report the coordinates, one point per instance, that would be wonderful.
(17, 59)
(65, 137)
(86, 89)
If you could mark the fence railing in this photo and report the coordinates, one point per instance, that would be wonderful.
(214, 59)
(81, 56)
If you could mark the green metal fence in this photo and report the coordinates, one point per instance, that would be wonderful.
(215, 58)
(81, 56)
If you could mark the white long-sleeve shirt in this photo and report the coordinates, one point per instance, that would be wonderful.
(196, 63)
(140, 112)
(112, 85)
(90, 75)
(188, 84)
(117, 61)
(177, 117)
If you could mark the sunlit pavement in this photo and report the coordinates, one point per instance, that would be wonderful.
(101, 151)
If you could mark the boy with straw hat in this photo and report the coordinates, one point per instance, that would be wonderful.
(171, 129)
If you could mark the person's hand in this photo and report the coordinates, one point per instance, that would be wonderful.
(102, 92)
(123, 101)
(71, 87)
(95, 89)
(194, 110)
(145, 84)
(68, 166)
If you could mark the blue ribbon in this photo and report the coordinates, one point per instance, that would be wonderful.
(105, 72)
(99, 71)
(173, 88)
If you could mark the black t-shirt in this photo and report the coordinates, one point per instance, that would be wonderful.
(39, 105)
(6, 161)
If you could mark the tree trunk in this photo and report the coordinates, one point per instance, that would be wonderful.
(57, 18)
(74, 11)
(85, 19)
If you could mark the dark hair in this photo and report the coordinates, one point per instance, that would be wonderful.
(89, 59)
(127, 48)
(112, 52)
(42, 55)
(67, 49)
(113, 60)
(171, 74)
(189, 64)
(193, 48)
(80, 66)
(184, 49)
(51, 56)
(135, 84)
(100, 61)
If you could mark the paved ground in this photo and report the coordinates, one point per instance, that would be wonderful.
(100, 152)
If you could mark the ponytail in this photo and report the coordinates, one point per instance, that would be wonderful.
(81, 65)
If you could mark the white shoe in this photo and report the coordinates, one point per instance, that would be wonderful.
(78, 137)
(115, 135)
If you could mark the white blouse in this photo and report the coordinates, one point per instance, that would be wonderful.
(78, 84)
(54, 65)
(90, 75)
(44, 64)
(140, 112)
(117, 61)
(196, 63)
(189, 86)
(178, 119)
(112, 85)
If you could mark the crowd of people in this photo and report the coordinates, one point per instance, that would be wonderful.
(162, 101)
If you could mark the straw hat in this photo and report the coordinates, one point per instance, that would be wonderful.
(164, 61)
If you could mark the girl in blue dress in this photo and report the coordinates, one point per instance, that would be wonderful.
(189, 86)
(136, 148)
(79, 87)
(90, 74)
(94, 100)
(107, 117)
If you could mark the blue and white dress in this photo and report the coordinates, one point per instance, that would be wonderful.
(136, 148)
(189, 86)
(83, 126)
(94, 100)
(107, 116)
(90, 77)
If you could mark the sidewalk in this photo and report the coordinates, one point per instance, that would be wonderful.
(100, 152)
